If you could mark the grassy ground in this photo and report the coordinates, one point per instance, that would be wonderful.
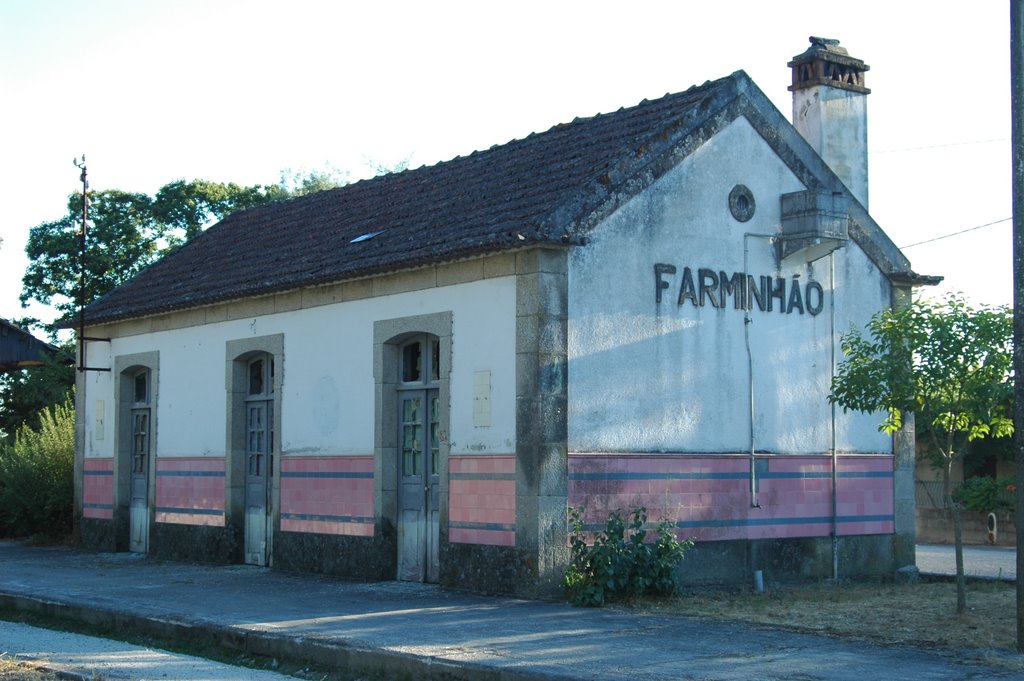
(13, 671)
(922, 614)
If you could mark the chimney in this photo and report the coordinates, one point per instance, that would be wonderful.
(830, 110)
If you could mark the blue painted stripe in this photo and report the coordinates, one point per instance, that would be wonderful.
(89, 472)
(482, 476)
(327, 518)
(105, 507)
(659, 476)
(866, 518)
(819, 475)
(740, 475)
(325, 474)
(754, 522)
(191, 474)
(763, 522)
(189, 511)
(759, 522)
(494, 527)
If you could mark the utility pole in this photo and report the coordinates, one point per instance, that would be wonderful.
(81, 260)
(1017, 107)
(82, 277)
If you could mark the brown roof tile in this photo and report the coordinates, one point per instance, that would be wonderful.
(531, 191)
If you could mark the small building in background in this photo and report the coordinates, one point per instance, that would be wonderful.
(19, 349)
(414, 376)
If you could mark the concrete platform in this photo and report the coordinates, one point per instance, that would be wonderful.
(421, 632)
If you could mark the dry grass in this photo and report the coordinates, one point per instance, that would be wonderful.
(10, 670)
(921, 614)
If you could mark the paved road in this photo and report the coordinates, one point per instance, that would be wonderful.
(995, 562)
(97, 657)
(396, 628)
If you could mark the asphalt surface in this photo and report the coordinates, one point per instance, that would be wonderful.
(417, 631)
(987, 562)
(92, 658)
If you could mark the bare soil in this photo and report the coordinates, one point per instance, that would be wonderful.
(920, 614)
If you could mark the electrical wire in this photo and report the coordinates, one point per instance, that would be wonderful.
(962, 231)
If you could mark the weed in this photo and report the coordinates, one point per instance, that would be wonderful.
(617, 566)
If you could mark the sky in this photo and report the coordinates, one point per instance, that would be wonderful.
(241, 90)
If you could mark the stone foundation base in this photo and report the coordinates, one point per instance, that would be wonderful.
(787, 560)
(363, 558)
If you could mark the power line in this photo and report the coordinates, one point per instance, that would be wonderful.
(962, 231)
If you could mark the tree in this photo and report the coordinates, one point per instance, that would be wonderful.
(949, 364)
(25, 394)
(182, 209)
(130, 230)
(127, 232)
(122, 240)
(301, 182)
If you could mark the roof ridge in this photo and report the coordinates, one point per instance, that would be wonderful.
(536, 189)
(557, 126)
(497, 146)
(631, 161)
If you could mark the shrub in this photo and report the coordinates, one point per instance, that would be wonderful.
(620, 567)
(986, 494)
(36, 477)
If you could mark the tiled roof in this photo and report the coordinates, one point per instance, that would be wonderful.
(522, 193)
(550, 187)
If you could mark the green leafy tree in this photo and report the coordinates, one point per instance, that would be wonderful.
(181, 209)
(25, 394)
(381, 168)
(127, 232)
(130, 230)
(302, 182)
(986, 494)
(949, 364)
(119, 246)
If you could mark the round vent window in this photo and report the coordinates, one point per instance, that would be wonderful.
(741, 203)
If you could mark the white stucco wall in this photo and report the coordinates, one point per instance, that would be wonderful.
(667, 377)
(99, 402)
(327, 398)
(835, 123)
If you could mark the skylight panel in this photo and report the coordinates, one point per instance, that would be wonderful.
(366, 237)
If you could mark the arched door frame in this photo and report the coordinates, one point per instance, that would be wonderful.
(126, 369)
(239, 354)
(389, 336)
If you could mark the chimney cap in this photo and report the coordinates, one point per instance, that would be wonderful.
(826, 62)
(826, 44)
